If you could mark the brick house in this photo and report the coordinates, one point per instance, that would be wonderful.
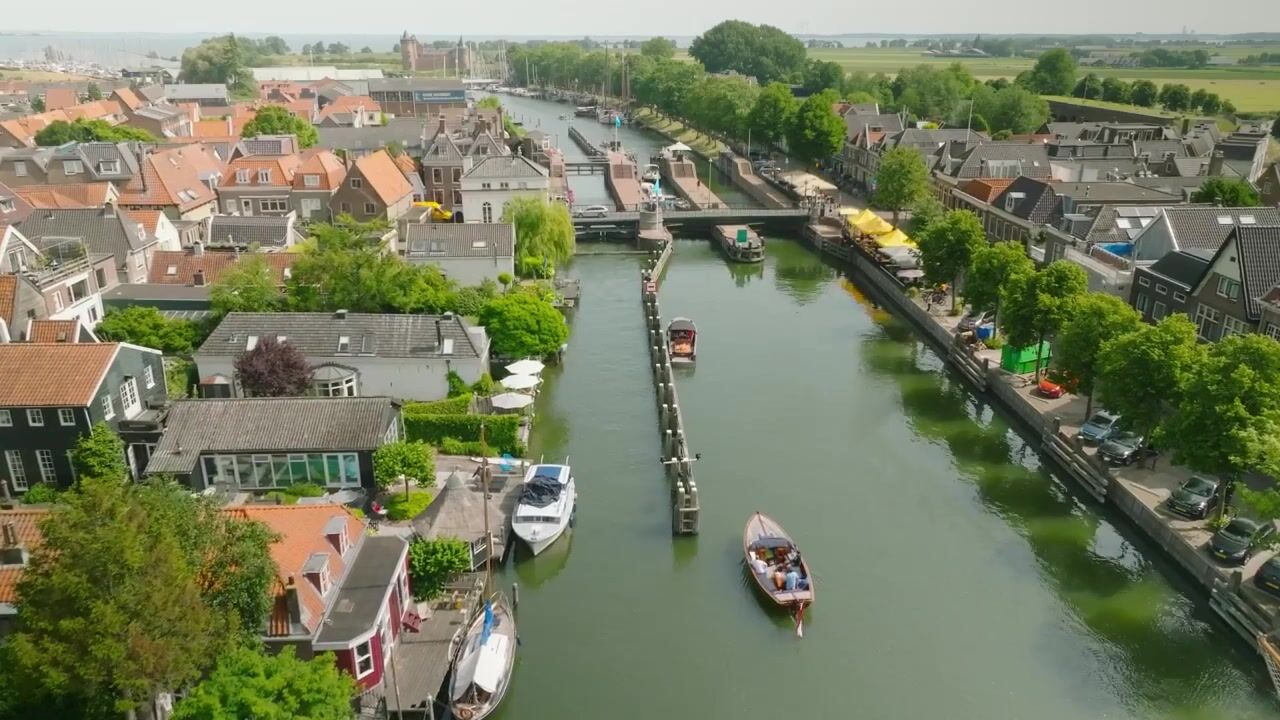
(374, 189)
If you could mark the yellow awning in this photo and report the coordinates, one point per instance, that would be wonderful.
(850, 211)
(894, 239)
(870, 223)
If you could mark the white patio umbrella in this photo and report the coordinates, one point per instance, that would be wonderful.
(520, 382)
(525, 367)
(511, 401)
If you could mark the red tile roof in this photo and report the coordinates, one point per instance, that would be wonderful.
(322, 162)
(179, 267)
(282, 169)
(384, 178)
(60, 98)
(53, 374)
(8, 293)
(148, 219)
(26, 525)
(301, 530)
(70, 195)
(986, 189)
(54, 331)
(128, 98)
(167, 174)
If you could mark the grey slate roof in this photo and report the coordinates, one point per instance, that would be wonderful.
(929, 140)
(1204, 227)
(857, 123)
(153, 93)
(116, 234)
(1115, 192)
(1259, 250)
(442, 149)
(457, 240)
(359, 600)
(485, 140)
(196, 91)
(506, 166)
(370, 335)
(1183, 268)
(235, 425)
(1035, 204)
(390, 84)
(1005, 160)
(241, 231)
(409, 132)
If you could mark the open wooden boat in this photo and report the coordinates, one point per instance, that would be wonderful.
(486, 657)
(682, 337)
(764, 541)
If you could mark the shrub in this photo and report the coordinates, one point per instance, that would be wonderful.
(432, 563)
(40, 493)
(453, 446)
(305, 489)
(401, 508)
(995, 343)
(457, 386)
(280, 497)
(483, 386)
(408, 459)
(452, 406)
(503, 430)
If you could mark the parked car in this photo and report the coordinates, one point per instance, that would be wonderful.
(1268, 577)
(1195, 498)
(1238, 539)
(1050, 389)
(1123, 448)
(591, 211)
(973, 319)
(1100, 427)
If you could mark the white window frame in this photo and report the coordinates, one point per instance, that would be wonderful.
(1144, 282)
(66, 417)
(273, 205)
(1141, 303)
(367, 656)
(342, 387)
(437, 176)
(370, 208)
(1162, 289)
(1207, 315)
(148, 377)
(1228, 288)
(1179, 297)
(129, 397)
(17, 473)
(35, 417)
(357, 182)
(1233, 326)
(72, 167)
(6, 417)
(311, 181)
(486, 212)
(264, 176)
(1272, 331)
(20, 168)
(48, 471)
(1159, 310)
(242, 177)
(108, 407)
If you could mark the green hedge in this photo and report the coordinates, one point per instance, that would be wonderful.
(451, 446)
(503, 429)
(453, 406)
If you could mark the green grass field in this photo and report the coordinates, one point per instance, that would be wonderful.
(1252, 89)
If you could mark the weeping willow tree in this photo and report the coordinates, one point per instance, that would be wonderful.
(544, 230)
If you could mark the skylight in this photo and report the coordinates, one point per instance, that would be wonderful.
(344, 343)
(1224, 219)
(479, 244)
(171, 270)
(251, 343)
(1248, 220)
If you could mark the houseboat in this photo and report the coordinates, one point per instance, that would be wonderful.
(740, 243)
(585, 111)
(682, 338)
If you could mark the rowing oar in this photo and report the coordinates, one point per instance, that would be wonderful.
(800, 621)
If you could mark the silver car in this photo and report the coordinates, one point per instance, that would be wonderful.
(591, 211)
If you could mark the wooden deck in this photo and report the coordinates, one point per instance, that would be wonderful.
(421, 660)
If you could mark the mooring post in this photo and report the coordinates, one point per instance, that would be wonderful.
(515, 596)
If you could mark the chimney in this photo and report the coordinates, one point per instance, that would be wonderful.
(109, 210)
(4, 331)
(439, 334)
(1186, 126)
(340, 314)
(197, 248)
(1215, 164)
(292, 601)
(198, 278)
(8, 535)
(231, 127)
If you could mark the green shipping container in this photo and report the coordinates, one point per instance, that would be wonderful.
(1022, 360)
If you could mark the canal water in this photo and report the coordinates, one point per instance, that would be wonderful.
(958, 575)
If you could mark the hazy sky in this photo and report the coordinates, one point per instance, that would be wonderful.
(649, 17)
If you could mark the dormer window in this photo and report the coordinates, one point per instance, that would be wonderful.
(335, 531)
(72, 167)
(242, 177)
(109, 167)
(311, 180)
(6, 205)
(171, 270)
(316, 571)
(344, 343)
(264, 176)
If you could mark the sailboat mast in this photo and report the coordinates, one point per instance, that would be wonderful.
(484, 486)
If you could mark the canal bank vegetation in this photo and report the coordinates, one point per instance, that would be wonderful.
(433, 563)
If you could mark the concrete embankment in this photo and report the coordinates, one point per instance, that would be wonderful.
(681, 175)
(744, 177)
(623, 182)
(1137, 494)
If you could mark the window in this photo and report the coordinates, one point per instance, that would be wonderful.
(457, 198)
(311, 181)
(6, 418)
(357, 183)
(344, 343)
(20, 168)
(370, 209)
(345, 207)
(437, 175)
(364, 658)
(1159, 311)
(17, 473)
(1207, 322)
(264, 176)
(1228, 288)
(1162, 289)
(1273, 331)
(1144, 282)
(109, 167)
(1141, 303)
(438, 196)
(148, 377)
(486, 186)
(273, 205)
(504, 185)
(35, 418)
(57, 300)
(1233, 326)
(72, 167)
(486, 213)
(129, 395)
(242, 177)
(101, 276)
(66, 417)
(342, 387)
(1179, 297)
(48, 473)
(298, 468)
(108, 407)
(6, 205)
(457, 175)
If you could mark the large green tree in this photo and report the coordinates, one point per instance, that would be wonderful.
(248, 286)
(771, 114)
(543, 229)
(1012, 108)
(1115, 90)
(220, 60)
(60, 132)
(248, 683)
(658, 48)
(276, 120)
(145, 326)
(720, 106)
(815, 131)
(100, 454)
(1095, 320)
(931, 92)
(1035, 306)
(821, 76)
(1054, 73)
(1144, 93)
(135, 590)
(1175, 97)
(990, 271)
(762, 51)
(521, 324)
(1162, 356)
(947, 247)
(408, 459)
(901, 180)
(1227, 192)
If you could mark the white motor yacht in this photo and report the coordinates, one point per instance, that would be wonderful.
(545, 506)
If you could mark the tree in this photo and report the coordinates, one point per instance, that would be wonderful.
(366, 50)
(1036, 305)
(93, 92)
(432, 563)
(1095, 320)
(1089, 86)
(658, 48)
(1228, 417)
(220, 60)
(410, 459)
(947, 247)
(1163, 356)
(925, 212)
(815, 131)
(521, 324)
(762, 51)
(135, 590)
(820, 76)
(247, 286)
(276, 120)
(543, 229)
(489, 103)
(1198, 98)
(1175, 97)
(60, 132)
(249, 683)
(1012, 108)
(1054, 73)
(37, 104)
(901, 180)
(990, 272)
(928, 91)
(1226, 192)
(338, 48)
(145, 326)
(275, 45)
(1144, 93)
(100, 454)
(770, 116)
(1115, 90)
(273, 369)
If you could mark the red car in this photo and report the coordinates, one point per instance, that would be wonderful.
(1050, 389)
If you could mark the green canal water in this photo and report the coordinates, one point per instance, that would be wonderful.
(958, 574)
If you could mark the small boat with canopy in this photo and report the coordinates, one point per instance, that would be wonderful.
(774, 561)
(682, 338)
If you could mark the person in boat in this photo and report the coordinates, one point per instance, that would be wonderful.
(759, 566)
(791, 579)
